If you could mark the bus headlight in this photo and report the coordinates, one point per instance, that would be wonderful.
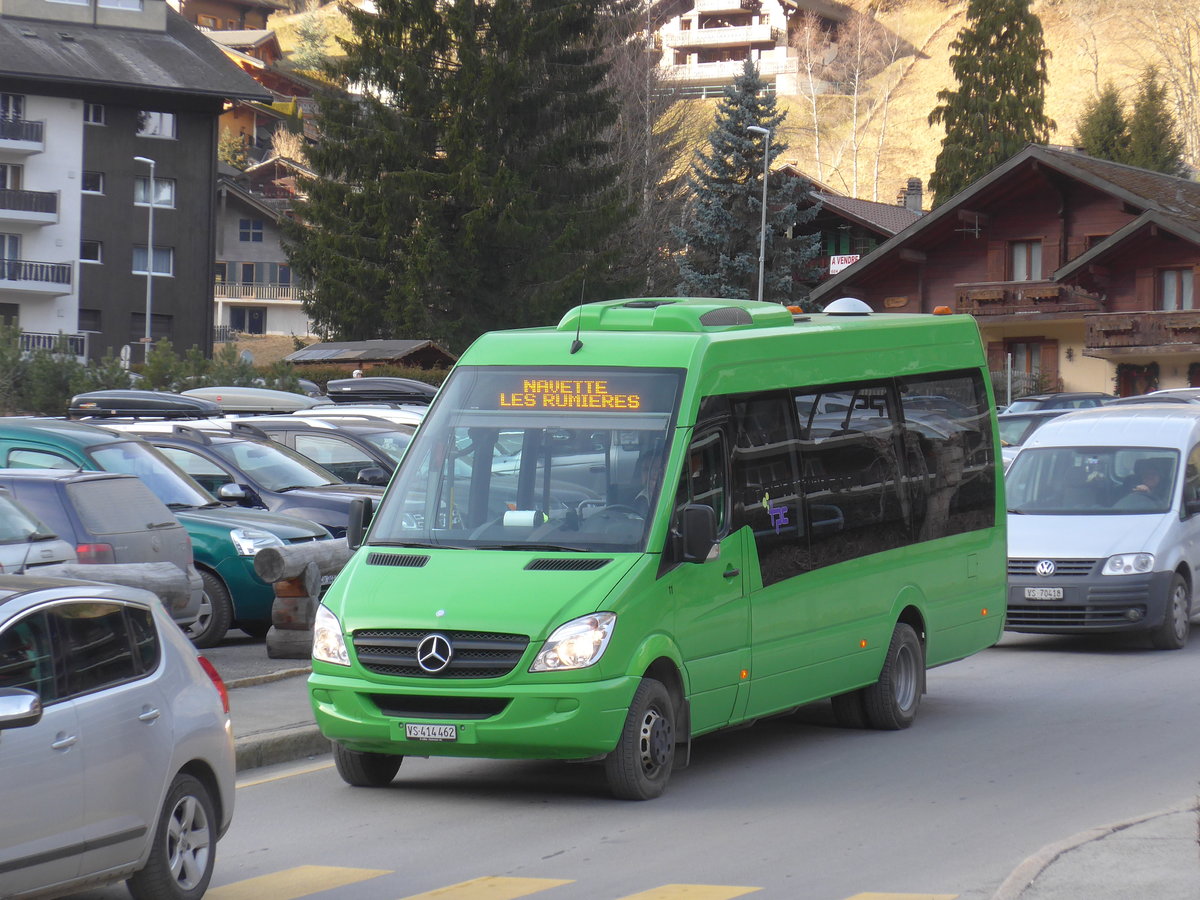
(1129, 564)
(577, 644)
(328, 645)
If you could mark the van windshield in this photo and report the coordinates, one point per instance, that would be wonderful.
(1090, 481)
(515, 457)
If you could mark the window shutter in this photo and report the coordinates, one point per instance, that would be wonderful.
(1049, 364)
(1144, 294)
(997, 265)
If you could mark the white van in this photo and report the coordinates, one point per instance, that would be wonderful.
(1104, 524)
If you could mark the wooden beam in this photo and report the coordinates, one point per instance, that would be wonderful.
(914, 256)
(973, 217)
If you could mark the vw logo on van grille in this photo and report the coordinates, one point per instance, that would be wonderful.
(434, 653)
(1046, 568)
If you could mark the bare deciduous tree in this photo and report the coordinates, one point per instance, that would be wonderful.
(1173, 28)
(815, 51)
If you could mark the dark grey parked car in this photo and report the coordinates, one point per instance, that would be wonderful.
(26, 543)
(110, 519)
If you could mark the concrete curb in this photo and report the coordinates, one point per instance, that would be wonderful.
(1028, 871)
(279, 746)
(267, 678)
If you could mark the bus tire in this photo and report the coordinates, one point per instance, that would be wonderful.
(1172, 634)
(360, 769)
(850, 710)
(640, 766)
(891, 702)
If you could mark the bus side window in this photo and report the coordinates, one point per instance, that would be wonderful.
(703, 478)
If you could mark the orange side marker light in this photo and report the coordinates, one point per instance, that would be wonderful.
(745, 674)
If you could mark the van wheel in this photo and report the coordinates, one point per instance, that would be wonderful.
(891, 702)
(216, 612)
(184, 850)
(365, 769)
(850, 710)
(638, 769)
(1172, 634)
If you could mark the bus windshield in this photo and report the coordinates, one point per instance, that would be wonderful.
(535, 458)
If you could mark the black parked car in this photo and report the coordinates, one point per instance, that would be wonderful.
(257, 472)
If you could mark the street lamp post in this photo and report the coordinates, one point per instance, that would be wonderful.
(762, 235)
(148, 339)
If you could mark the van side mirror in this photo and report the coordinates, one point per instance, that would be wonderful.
(376, 475)
(697, 532)
(1191, 507)
(362, 510)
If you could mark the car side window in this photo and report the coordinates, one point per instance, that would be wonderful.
(26, 657)
(340, 457)
(97, 645)
(1191, 478)
(37, 459)
(205, 471)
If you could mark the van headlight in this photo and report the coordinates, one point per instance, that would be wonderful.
(249, 541)
(1129, 564)
(577, 644)
(328, 644)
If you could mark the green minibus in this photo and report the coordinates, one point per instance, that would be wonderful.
(665, 517)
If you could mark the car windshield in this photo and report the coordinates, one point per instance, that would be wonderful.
(166, 481)
(393, 443)
(16, 525)
(272, 466)
(545, 458)
(1090, 481)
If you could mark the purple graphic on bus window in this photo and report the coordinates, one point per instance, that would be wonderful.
(778, 514)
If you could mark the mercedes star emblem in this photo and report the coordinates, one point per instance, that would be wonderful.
(434, 653)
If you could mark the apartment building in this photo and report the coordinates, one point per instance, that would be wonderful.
(108, 118)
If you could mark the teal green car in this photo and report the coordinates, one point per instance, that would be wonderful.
(224, 538)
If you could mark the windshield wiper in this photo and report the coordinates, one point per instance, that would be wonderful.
(547, 547)
(1015, 511)
(178, 505)
(426, 545)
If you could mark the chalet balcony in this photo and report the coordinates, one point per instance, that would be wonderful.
(1159, 332)
(27, 276)
(253, 290)
(725, 6)
(28, 207)
(729, 36)
(1022, 298)
(21, 136)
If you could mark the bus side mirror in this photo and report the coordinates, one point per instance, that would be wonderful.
(361, 511)
(697, 532)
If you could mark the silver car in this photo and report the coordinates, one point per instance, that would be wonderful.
(116, 752)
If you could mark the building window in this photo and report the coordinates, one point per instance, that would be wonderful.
(91, 251)
(93, 182)
(132, 5)
(10, 177)
(1025, 260)
(160, 327)
(164, 191)
(208, 22)
(156, 124)
(219, 275)
(164, 260)
(1175, 288)
(93, 113)
(10, 313)
(248, 319)
(250, 230)
(89, 320)
(12, 106)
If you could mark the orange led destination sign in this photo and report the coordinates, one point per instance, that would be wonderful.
(566, 393)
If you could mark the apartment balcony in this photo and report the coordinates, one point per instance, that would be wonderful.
(1015, 299)
(725, 6)
(247, 290)
(28, 207)
(27, 276)
(1126, 334)
(718, 72)
(21, 136)
(728, 36)
(77, 344)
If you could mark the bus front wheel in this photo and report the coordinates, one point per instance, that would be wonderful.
(638, 769)
(365, 769)
(891, 702)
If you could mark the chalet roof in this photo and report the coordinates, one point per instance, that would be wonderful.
(250, 37)
(179, 60)
(1175, 198)
(284, 161)
(227, 185)
(364, 351)
(1188, 230)
(888, 218)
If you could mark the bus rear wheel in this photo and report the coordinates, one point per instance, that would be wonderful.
(638, 769)
(891, 702)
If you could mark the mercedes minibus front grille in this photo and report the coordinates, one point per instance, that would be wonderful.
(411, 560)
(408, 706)
(566, 565)
(1067, 568)
(474, 654)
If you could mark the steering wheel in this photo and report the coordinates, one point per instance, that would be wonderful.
(621, 508)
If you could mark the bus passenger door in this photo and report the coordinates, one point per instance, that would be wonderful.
(711, 611)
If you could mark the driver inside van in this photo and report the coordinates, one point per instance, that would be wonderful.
(1149, 478)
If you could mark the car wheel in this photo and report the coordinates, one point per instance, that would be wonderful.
(365, 769)
(639, 767)
(1172, 634)
(184, 850)
(216, 613)
(256, 630)
(891, 702)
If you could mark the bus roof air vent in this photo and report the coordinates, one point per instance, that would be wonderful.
(848, 306)
(726, 315)
(646, 304)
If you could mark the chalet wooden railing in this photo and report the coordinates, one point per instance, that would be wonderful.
(1009, 298)
(1156, 328)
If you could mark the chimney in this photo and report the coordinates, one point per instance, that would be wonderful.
(912, 195)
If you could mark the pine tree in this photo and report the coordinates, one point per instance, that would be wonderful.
(999, 60)
(464, 191)
(1154, 140)
(1103, 130)
(722, 232)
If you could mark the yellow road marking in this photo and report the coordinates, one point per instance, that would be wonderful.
(290, 773)
(490, 888)
(693, 892)
(289, 884)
